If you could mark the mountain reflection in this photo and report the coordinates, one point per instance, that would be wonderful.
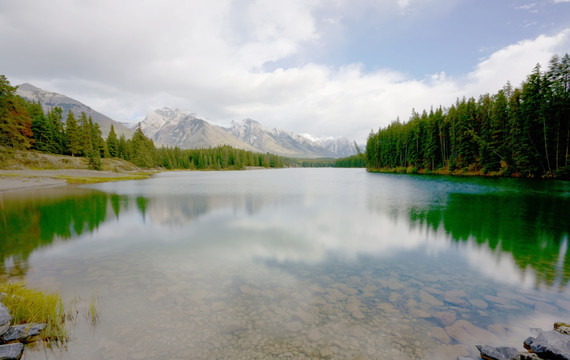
(533, 228)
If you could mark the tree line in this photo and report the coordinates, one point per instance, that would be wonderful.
(25, 126)
(516, 132)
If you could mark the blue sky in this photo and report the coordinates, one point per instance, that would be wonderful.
(324, 67)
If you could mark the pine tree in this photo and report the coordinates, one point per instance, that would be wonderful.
(72, 137)
(113, 143)
(15, 122)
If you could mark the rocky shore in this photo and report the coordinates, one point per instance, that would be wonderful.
(13, 337)
(552, 344)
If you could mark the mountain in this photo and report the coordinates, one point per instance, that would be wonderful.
(174, 127)
(281, 142)
(49, 100)
(340, 147)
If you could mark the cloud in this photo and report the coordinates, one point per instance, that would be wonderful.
(234, 59)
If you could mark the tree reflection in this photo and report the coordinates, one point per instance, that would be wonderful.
(29, 222)
(532, 227)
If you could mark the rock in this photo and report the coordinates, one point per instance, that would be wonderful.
(497, 353)
(11, 351)
(551, 345)
(527, 342)
(22, 332)
(439, 334)
(5, 319)
(478, 303)
(562, 328)
(456, 297)
(429, 299)
(464, 358)
(445, 317)
(465, 332)
(527, 356)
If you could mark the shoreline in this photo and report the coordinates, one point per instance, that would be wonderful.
(21, 180)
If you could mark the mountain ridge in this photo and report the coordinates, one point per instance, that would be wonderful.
(49, 100)
(172, 127)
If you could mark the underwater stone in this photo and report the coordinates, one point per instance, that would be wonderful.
(497, 353)
(11, 351)
(22, 332)
(5, 319)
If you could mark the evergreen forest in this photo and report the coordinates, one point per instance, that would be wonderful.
(521, 132)
(25, 126)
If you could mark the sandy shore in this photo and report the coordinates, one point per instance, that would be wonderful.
(14, 180)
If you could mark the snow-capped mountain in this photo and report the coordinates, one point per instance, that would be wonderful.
(277, 141)
(174, 127)
(340, 147)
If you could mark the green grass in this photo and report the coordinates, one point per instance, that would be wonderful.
(34, 306)
(100, 179)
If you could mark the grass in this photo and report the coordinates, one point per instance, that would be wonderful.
(100, 179)
(34, 306)
(92, 313)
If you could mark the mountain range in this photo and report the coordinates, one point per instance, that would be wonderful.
(174, 127)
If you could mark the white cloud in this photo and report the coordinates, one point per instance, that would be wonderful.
(221, 58)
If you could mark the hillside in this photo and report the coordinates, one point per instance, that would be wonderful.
(49, 100)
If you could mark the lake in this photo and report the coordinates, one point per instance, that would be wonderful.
(295, 263)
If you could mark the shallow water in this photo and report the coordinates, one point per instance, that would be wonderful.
(295, 263)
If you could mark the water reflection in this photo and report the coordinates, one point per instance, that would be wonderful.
(501, 228)
(31, 220)
(299, 263)
(532, 228)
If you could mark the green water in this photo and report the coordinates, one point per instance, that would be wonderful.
(295, 263)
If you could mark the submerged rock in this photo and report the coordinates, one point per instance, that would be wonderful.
(497, 353)
(5, 319)
(551, 345)
(22, 332)
(11, 351)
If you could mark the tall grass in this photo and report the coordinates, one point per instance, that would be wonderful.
(34, 306)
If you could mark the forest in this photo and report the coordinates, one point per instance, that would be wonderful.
(521, 132)
(25, 126)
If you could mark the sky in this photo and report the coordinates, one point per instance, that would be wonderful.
(323, 67)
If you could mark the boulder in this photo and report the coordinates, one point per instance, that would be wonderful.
(5, 319)
(551, 345)
(497, 353)
(527, 342)
(11, 351)
(22, 332)
(562, 328)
